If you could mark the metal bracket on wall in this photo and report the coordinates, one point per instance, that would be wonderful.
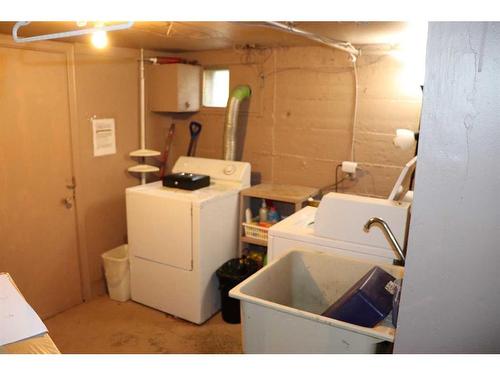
(64, 34)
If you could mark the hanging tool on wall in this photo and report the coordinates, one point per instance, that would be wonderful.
(194, 130)
(166, 150)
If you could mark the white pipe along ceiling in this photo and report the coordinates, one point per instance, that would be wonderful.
(65, 34)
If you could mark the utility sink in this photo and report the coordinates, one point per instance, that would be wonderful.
(281, 305)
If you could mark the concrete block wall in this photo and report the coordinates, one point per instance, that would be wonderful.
(298, 123)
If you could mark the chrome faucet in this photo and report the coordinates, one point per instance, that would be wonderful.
(388, 234)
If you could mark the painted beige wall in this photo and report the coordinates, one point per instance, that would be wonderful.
(299, 120)
(106, 87)
(104, 84)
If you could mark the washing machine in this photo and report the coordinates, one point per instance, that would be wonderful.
(336, 226)
(178, 238)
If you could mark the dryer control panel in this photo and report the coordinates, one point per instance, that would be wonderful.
(222, 170)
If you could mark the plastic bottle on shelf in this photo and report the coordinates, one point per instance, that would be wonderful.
(248, 216)
(273, 215)
(263, 211)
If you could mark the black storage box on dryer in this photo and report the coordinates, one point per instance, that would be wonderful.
(186, 181)
(367, 302)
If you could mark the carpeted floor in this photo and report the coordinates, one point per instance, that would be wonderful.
(106, 326)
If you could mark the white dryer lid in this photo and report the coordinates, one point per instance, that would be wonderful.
(214, 191)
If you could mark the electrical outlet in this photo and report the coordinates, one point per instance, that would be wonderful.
(350, 167)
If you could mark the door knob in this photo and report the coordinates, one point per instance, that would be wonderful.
(72, 185)
(68, 202)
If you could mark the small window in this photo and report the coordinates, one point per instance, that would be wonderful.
(215, 87)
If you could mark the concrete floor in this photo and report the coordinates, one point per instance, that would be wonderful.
(106, 326)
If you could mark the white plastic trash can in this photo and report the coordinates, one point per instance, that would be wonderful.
(117, 271)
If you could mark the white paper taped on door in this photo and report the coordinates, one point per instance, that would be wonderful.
(104, 136)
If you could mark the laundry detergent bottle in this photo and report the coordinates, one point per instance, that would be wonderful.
(273, 215)
(263, 212)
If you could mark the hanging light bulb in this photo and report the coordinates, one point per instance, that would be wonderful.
(99, 38)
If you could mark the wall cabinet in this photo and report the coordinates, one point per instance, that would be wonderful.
(174, 88)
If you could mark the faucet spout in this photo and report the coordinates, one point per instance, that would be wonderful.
(388, 234)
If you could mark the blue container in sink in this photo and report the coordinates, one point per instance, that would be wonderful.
(367, 302)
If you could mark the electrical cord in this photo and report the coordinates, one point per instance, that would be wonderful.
(330, 188)
(355, 114)
(336, 177)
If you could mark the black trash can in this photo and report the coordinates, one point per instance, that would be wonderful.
(230, 274)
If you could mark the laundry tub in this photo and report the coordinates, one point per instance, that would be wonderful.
(281, 305)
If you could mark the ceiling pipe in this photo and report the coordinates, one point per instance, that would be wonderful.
(64, 34)
(334, 43)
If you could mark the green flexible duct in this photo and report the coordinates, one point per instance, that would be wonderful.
(239, 94)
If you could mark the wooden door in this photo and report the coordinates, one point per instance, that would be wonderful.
(38, 235)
